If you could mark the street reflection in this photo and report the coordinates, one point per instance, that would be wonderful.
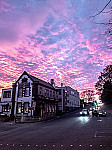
(84, 119)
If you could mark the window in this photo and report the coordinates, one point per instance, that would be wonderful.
(19, 107)
(7, 94)
(41, 91)
(60, 92)
(20, 92)
(27, 91)
(53, 94)
(5, 108)
(26, 105)
(47, 93)
(50, 93)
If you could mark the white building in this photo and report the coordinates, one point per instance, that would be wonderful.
(72, 98)
(6, 102)
(68, 98)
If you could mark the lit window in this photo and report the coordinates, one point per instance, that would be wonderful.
(19, 107)
(26, 107)
(5, 108)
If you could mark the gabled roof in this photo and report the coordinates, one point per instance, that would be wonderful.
(35, 79)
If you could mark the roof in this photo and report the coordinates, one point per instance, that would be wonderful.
(35, 79)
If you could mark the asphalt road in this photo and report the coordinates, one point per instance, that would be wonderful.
(69, 132)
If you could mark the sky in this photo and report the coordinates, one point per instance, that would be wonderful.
(54, 39)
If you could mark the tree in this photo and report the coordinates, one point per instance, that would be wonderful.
(87, 95)
(104, 84)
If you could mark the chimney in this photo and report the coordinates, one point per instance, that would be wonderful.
(61, 84)
(52, 82)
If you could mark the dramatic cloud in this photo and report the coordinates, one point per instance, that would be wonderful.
(53, 39)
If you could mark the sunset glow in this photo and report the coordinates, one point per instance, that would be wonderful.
(53, 39)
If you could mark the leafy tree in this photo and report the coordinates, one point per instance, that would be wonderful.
(87, 95)
(104, 84)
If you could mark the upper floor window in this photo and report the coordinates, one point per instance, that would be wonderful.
(47, 93)
(59, 91)
(7, 94)
(50, 93)
(20, 92)
(41, 91)
(53, 94)
(27, 91)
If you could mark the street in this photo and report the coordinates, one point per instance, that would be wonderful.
(67, 132)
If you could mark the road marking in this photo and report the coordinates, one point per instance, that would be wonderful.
(99, 120)
(80, 145)
(91, 145)
(102, 134)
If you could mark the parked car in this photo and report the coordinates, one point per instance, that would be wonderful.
(84, 112)
(92, 108)
(98, 113)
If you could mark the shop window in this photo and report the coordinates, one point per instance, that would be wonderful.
(26, 105)
(19, 107)
(5, 108)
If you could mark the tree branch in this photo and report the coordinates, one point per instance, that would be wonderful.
(102, 9)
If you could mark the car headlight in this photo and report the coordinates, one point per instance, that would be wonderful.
(85, 112)
(80, 112)
(100, 113)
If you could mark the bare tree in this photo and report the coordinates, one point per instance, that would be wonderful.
(106, 9)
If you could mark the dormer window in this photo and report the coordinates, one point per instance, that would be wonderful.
(24, 80)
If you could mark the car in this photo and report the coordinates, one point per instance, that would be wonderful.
(84, 112)
(92, 108)
(98, 113)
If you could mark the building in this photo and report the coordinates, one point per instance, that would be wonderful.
(6, 102)
(72, 98)
(32, 97)
(68, 98)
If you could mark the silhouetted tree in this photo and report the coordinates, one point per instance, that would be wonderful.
(104, 84)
